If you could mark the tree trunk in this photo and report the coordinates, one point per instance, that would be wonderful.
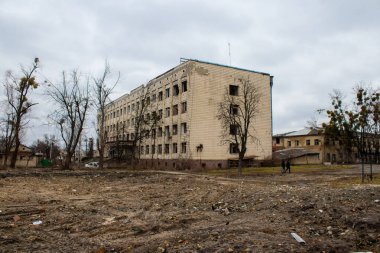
(101, 158)
(67, 162)
(240, 167)
(15, 153)
(6, 159)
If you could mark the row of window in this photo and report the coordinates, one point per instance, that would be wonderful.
(159, 132)
(135, 106)
(317, 142)
(151, 149)
(131, 122)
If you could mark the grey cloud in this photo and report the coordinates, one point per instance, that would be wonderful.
(311, 47)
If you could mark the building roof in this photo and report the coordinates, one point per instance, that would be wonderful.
(293, 153)
(184, 61)
(221, 65)
(302, 132)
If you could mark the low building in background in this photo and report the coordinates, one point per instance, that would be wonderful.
(25, 157)
(308, 146)
(187, 99)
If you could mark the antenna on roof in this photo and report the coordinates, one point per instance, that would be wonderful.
(229, 51)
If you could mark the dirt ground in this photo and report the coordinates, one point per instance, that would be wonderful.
(126, 211)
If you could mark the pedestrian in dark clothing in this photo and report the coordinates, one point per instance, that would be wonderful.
(283, 169)
(288, 166)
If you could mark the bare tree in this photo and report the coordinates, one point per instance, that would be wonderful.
(7, 137)
(141, 122)
(73, 102)
(102, 92)
(236, 114)
(17, 91)
(48, 146)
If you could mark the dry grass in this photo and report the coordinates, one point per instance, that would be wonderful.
(357, 180)
(276, 170)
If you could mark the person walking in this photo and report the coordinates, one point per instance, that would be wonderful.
(283, 168)
(288, 166)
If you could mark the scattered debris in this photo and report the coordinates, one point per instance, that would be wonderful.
(16, 218)
(298, 238)
(156, 212)
(108, 220)
(137, 230)
(161, 250)
(37, 222)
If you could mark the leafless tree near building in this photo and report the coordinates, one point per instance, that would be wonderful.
(72, 98)
(140, 123)
(103, 91)
(7, 135)
(236, 114)
(17, 91)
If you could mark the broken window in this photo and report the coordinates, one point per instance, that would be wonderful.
(153, 149)
(160, 113)
(183, 147)
(175, 129)
(234, 148)
(154, 98)
(277, 140)
(159, 151)
(175, 149)
(307, 142)
(147, 149)
(167, 131)
(160, 96)
(160, 132)
(184, 86)
(175, 110)
(183, 128)
(289, 143)
(153, 133)
(167, 111)
(154, 115)
(234, 129)
(175, 90)
(316, 142)
(297, 143)
(234, 109)
(167, 148)
(167, 92)
(183, 107)
(234, 90)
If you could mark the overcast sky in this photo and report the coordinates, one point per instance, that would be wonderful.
(310, 47)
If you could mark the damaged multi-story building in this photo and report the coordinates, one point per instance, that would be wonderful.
(186, 98)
